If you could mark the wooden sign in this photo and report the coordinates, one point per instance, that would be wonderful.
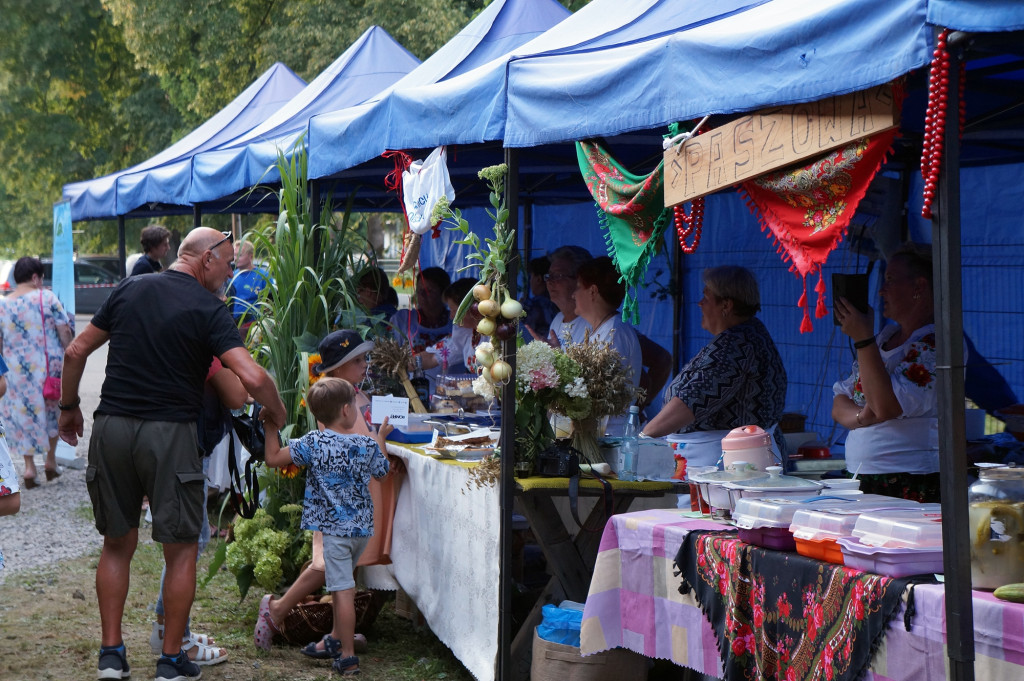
(773, 138)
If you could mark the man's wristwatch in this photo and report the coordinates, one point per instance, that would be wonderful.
(69, 407)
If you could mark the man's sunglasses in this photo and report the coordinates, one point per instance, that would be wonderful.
(228, 236)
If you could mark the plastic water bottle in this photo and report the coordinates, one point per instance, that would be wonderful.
(630, 445)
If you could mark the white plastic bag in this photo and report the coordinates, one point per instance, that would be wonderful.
(422, 185)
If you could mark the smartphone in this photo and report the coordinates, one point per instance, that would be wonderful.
(853, 287)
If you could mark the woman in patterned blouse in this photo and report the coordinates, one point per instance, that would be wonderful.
(737, 379)
(888, 402)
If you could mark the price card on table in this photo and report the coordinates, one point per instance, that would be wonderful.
(396, 409)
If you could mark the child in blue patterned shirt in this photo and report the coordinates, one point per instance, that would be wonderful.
(337, 502)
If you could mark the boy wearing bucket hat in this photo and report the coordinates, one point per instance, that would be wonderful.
(343, 355)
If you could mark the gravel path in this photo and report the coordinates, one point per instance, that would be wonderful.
(55, 521)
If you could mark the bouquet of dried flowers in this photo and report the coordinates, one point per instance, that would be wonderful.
(546, 379)
(610, 391)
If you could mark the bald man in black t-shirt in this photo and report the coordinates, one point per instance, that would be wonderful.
(164, 331)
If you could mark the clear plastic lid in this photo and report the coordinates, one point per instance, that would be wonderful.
(753, 512)
(915, 528)
(776, 480)
(738, 471)
(833, 523)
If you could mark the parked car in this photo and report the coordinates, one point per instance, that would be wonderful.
(111, 263)
(93, 283)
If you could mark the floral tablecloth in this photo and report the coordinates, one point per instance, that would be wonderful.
(780, 615)
(634, 602)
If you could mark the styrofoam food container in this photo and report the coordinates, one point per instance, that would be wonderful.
(916, 528)
(891, 561)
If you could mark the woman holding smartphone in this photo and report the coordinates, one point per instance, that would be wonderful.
(888, 402)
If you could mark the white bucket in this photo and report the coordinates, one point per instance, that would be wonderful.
(701, 448)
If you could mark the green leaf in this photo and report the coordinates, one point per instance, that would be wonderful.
(464, 306)
(244, 580)
(219, 556)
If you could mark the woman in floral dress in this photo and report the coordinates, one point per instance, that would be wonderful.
(33, 328)
(10, 493)
(889, 402)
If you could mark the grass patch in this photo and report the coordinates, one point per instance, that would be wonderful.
(49, 629)
(84, 512)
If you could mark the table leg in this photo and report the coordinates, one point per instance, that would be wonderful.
(570, 560)
(563, 556)
(588, 542)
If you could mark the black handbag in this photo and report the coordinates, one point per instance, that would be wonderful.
(562, 460)
(245, 491)
(249, 429)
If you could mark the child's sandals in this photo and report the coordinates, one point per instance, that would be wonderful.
(263, 634)
(332, 648)
(346, 666)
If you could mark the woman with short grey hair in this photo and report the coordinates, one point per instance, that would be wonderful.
(737, 379)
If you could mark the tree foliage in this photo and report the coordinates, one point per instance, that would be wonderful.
(73, 105)
(239, 39)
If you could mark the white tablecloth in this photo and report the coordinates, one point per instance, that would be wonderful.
(446, 555)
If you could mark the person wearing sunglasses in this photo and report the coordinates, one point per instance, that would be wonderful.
(567, 326)
(164, 331)
(540, 309)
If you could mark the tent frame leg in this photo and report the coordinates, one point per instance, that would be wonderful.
(946, 264)
(504, 670)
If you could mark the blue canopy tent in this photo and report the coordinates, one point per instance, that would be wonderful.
(143, 183)
(372, 63)
(632, 68)
(807, 53)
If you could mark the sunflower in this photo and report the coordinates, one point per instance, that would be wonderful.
(314, 360)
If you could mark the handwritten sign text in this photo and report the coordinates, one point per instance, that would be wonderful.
(773, 138)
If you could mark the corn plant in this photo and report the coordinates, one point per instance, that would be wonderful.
(311, 264)
(311, 267)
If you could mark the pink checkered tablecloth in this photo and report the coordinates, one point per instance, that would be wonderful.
(634, 602)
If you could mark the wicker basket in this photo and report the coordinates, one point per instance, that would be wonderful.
(310, 621)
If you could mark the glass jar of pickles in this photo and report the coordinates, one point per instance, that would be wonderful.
(996, 507)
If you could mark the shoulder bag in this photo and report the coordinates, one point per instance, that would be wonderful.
(51, 384)
(245, 488)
